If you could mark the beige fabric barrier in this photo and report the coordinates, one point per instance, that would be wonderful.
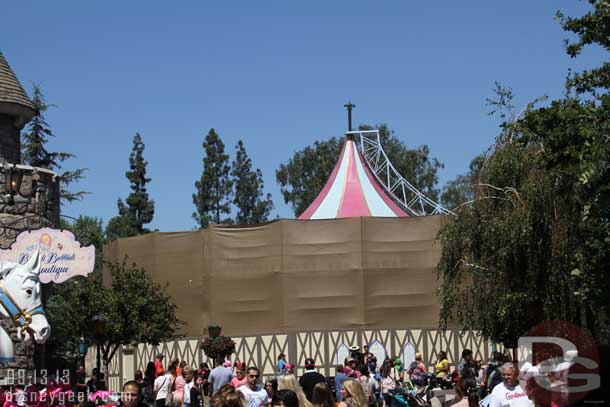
(296, 275)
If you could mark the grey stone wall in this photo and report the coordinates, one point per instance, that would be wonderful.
(24, 352)
(10, 142)
(34, 206)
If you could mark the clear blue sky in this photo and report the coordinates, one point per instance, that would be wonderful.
(276, 74)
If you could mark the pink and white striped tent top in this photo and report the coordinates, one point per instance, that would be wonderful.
(352, 191)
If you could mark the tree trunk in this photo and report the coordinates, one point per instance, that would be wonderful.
(106, 363)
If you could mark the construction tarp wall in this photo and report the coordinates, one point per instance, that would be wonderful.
(296, 275)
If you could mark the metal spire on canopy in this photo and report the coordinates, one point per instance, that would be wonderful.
(349, 106)
(365, 183)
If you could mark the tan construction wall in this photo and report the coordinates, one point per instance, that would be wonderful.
(296, 275)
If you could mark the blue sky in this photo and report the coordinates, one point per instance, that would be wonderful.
(275, 74)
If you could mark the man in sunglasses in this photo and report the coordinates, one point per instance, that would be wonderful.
(254, 394)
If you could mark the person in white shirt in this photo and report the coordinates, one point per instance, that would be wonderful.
(254, 394)
(187, 372)
(509, 393)
(160, 388)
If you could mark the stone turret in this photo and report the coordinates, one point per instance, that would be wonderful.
(29, 196)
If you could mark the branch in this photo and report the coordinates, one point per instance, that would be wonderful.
(462, 261)
(505, 190)
(479, 199)
(113, 352)
(528, 106)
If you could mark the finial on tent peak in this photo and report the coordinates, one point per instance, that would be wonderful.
(349, 106)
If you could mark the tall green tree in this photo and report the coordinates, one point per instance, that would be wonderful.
(135, 308)
(534, 242)
(304, 175)
(212, 198)
(70, 298)
(88, 230)
(138, 208)
(249, 197)
(302, 178)
(34, 150)
(592, 28)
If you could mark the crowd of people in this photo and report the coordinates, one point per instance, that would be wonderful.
(358, 382)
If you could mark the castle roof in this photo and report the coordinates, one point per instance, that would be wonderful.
(12, 93)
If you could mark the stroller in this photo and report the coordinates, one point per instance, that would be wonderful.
(407, 396)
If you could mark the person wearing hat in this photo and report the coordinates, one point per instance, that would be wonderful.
(310, 378)
(357, 355)
(281, 364)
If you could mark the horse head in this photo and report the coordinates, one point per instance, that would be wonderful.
(20, 298)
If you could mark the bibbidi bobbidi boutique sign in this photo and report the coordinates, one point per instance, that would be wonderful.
(61, 255)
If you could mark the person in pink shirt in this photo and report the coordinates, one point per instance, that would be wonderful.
(240, 375)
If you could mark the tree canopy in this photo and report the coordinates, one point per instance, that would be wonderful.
(592, 28)
(137, 309)
(213, 191)
(304, 175)
(34, 150)
(248, 196)
(138, 209)
(533, 242)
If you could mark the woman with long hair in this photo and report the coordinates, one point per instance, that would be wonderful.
(148, 384)
(387, 384)
(322, 396)
(353, 395)
(178, 390)
(271, 388)
(289, 382)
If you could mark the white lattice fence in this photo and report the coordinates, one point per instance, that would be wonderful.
(327, 348)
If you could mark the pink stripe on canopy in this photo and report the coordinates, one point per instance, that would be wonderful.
(352, 202)
(318, 201)
(352, 191)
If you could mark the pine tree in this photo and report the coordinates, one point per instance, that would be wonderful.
(138, 209)
(35, 153)
(139, 206)
(213, 191)
(248, 198)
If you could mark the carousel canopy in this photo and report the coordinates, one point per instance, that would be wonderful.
(352, 191)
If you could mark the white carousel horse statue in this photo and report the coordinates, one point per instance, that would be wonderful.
(20, 302)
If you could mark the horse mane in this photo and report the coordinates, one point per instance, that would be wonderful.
(6, 267)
